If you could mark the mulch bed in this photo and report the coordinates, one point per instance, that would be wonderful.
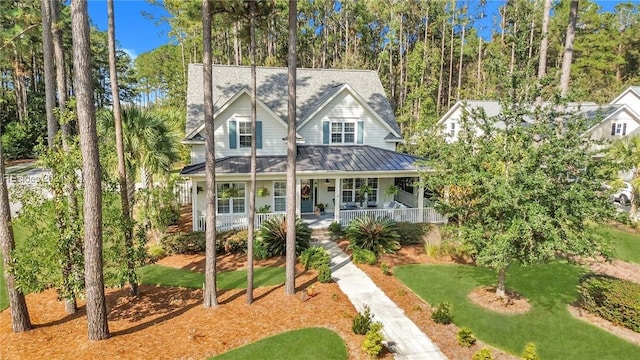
(171, 323)
(512, 304)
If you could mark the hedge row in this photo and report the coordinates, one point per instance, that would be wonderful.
(233, 241)
(613, 299)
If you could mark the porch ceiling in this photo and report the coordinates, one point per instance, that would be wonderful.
(358, 158)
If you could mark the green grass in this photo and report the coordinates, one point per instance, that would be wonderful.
(19, 234)
(168, 276)
(625, 244)
(549, 288)
(303, 344)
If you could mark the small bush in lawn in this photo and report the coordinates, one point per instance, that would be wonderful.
(324, 274)
(273, 234)
(465, 337)
(335, 229)
(183, 243)
(483, 354)
(442, 314)
(385, 269)
(362, 256)
(156, 252)
(613, 299)
(411, 233)
(314, 257)
(377, 235)
(372, 344)
(530, 352)
(362, 322)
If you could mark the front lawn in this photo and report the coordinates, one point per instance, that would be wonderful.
(303, 344)
(549, 289)
(626, 244)
(168, 276)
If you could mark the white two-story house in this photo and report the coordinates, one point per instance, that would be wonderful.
(346, 138)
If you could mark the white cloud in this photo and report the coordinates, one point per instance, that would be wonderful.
(132, 53)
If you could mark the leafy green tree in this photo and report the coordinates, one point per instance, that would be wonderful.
(530, 186)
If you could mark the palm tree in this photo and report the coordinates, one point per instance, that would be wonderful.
(98, 328)
(626, 154)
(290, 278)
(122, 172)
(20, 320)
(210, 292)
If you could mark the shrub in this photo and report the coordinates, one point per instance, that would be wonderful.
(372, 344)
(483, 354)
(465, 337)
(232, 241)
(362, 322)
(442, 314)
(184, 243)
(385, 269)
(335, 229)
(411, 233)
(362, 256)
(613, 299)
(273, 235)
(530, 352)
(260, 252)
(156, 252)
(432, 250)
(377, 235)
(314, 257)
(324, 274)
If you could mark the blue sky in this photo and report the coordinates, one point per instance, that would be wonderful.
(137, 34)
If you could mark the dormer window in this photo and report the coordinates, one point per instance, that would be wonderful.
(343, 132)
(618, 129)
(452, 129)
(244, 134)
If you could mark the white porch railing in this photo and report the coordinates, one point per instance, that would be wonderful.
(412, 215)
(182, 190)
(225, 222)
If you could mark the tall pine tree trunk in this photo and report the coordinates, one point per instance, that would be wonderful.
(210, 286)
(453, 25)
(98, 327)
(290, 270)
(20, 320)
(122, 172)
(252, 175)
(49, 72)
(565, 73)
(544, 46)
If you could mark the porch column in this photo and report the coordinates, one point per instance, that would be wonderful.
(337, 198)
(194, 205)
(421, 202)
(298, 189)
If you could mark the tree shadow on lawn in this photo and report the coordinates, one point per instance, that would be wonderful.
(300, 287)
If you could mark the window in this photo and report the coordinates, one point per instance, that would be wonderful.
(279, 196)
(244, 134)
(351, 189)
(343, 132)
(452, 129)
(231, 198)
(618, 129)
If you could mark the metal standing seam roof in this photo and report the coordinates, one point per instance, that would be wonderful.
(313, 88)
(357, 158)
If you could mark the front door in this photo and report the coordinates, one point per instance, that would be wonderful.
(306, 196)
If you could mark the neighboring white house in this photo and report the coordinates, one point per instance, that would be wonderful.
(618, 119)
(346, 133)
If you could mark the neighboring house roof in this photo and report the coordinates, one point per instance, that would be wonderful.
(634, 89)
(318, 158)
(313, 88)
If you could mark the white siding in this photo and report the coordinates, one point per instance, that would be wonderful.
(273, 132)
(630, 99)
(346, 106)
(603, 130)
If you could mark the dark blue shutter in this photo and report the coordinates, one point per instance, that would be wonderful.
(258, 134)
(624, 129)
(613, 129)
(360, 132)
(233, 135)
(325, 132)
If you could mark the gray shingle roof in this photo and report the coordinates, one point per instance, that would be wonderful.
(314, 86)
(355, 158)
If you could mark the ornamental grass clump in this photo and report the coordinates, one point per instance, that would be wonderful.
(273, 235)
(377, 235)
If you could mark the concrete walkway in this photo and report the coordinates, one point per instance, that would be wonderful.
(403, 337)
